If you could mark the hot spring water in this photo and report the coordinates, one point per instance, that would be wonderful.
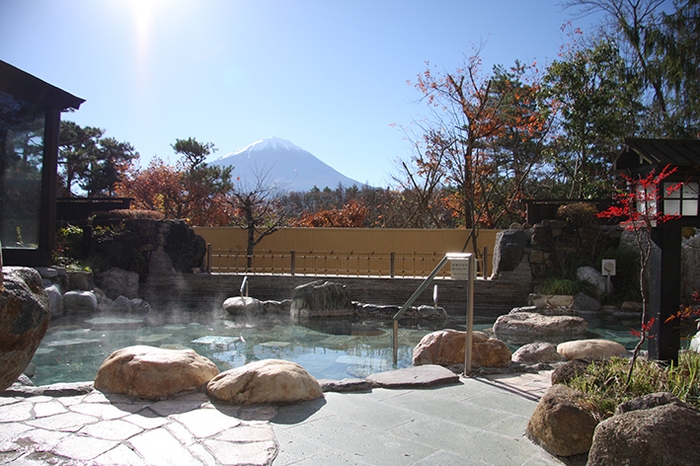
(75, 346)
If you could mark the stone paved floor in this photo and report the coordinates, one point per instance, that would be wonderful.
(478, 421)
(96, 429)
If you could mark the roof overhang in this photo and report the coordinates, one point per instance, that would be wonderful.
(640, 153)
(33, 90)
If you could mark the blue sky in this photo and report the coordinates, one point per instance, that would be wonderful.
(328, 75)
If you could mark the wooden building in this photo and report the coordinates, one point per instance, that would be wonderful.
(30, 117)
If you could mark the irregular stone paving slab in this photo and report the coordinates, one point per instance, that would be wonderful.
(49, 409)
(112, 430)
(428, 375)
(161, 447)
(204, 423)
(121, 454)
(76, 447)
(95, 428)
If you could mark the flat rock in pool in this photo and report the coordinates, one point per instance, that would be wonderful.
(428, 375)
(72, 342)
(275, 344)
(216, 340)
(154, 338)
(115, 322)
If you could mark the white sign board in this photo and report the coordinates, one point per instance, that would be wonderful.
(459, 269)
(608, 267)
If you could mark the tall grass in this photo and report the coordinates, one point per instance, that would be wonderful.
(604, 384)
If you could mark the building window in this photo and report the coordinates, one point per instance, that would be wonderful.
(681, 200)
(22, 128)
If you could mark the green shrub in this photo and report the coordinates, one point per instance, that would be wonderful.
(578, 213)
(68, 251)
(562, 286)
(604, 383)
(129, 214)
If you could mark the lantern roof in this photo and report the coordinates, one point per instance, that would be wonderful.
(640, 154)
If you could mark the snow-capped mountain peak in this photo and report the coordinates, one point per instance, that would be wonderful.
(282, 164)
(267, 144)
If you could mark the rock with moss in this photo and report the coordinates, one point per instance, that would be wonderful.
(321, 299)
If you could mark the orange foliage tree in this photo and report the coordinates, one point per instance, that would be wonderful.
(198, 196)
(351, 215)
(484, 141)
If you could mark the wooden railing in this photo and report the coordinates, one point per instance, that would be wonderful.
(340, 263)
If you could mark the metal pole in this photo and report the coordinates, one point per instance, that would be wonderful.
(396, 341)
(486, 262)
(470, 317)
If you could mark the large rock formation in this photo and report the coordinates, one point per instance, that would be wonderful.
(537, 352)
(447, 347)
(79, 301)
(527, 327)
(321, 299)
(508, 250)
(149, 372)
(243, 306)
(265, 381)
(661, 435)
(563, 305)
(591, 350)
(117, 282)
(561, 424)
(24, 318)
(595, 278)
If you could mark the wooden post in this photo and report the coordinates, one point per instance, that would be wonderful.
(664, 294)
(208, 257)
(392, 260)
(293, 265)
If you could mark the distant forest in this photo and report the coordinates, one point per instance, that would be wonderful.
(490, 139)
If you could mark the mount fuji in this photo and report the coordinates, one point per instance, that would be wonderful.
(283, 165)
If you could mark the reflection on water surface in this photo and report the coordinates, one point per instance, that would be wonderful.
(75, 346)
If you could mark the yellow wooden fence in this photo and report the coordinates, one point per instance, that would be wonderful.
(342, 251)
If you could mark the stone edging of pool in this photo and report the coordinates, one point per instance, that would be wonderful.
(74, 423)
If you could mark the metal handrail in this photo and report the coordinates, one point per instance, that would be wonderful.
(470, 304)
(244, 287)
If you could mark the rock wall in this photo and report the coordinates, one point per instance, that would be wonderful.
(132, 245)
(553, 247)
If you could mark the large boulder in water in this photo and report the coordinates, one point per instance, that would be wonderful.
(79, 301)
(321, 299)
(117, 282)
(243, 306)
(447, 347)
(535, 353)
(24, 318)
(591, 350)
(526, 327)
(265, 381)
(150, 373)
